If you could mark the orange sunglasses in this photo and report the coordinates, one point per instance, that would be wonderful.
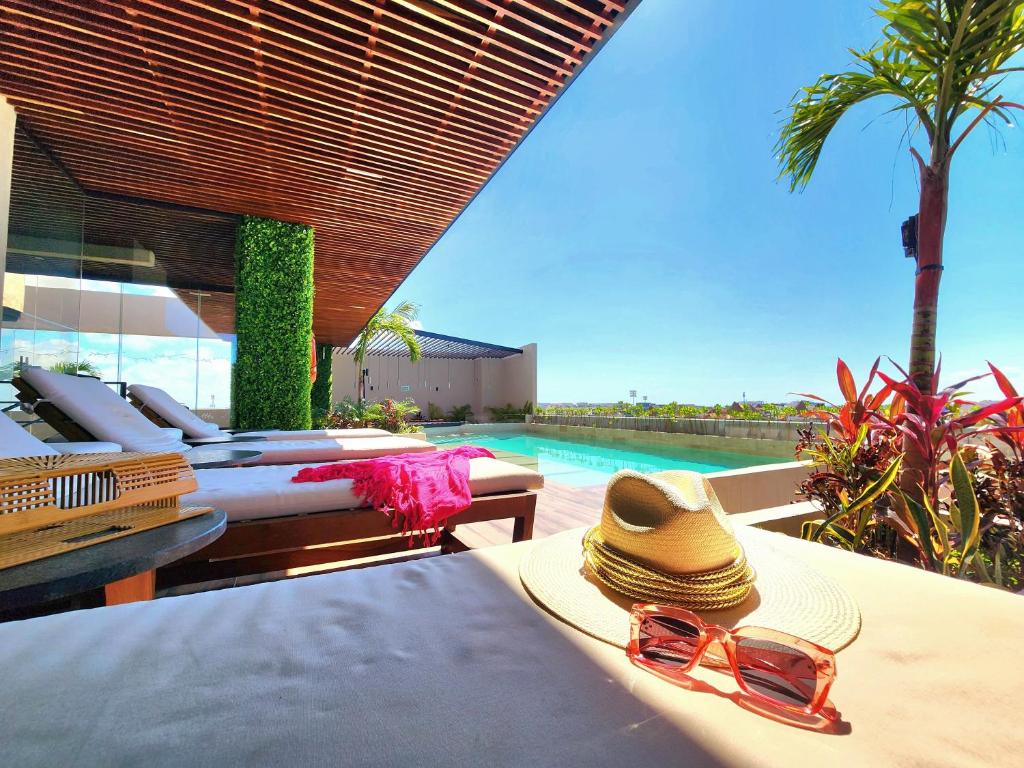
(785, 671)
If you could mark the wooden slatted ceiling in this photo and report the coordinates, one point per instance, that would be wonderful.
(375, 121)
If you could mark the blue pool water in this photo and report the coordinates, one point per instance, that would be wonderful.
(578, 464)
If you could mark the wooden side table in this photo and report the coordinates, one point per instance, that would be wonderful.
(125, 568)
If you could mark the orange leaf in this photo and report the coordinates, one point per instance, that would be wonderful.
(897, 407)
(1004, 383)
(846, 385)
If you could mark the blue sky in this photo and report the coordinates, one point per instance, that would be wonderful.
(639, 235)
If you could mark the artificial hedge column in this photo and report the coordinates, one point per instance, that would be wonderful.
(273, 324)
(321, 394)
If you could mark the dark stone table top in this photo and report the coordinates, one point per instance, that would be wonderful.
(222, 439)
(81, 570)
(215, 458)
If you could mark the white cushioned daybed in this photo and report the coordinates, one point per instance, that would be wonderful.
(96, 410)
(273, 522)
(251, 493)
(158, 406)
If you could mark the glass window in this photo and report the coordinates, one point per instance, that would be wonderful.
(131, 292)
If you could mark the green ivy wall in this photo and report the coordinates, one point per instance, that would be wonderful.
(273, 323)
(320, 397)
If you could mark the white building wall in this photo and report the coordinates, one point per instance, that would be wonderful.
(446, 383)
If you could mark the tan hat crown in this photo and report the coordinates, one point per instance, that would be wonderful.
(670, 521)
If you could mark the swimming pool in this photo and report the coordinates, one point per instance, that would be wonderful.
(578, 464)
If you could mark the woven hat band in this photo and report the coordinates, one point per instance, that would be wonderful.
(711, 590)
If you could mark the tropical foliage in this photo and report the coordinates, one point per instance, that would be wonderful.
(396, 322)
(82, 367)
(966, 515)
(392, 415)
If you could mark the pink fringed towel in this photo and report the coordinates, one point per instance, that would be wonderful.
(419, 490)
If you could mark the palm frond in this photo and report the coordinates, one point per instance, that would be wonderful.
(397, 322)
(814, 115)
(936, 58)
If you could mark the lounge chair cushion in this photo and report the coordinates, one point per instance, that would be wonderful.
(16, 442)
(248, 493)
(94, 447)
(100, 411)
(173, 412)
(324, 451)
(318, 434)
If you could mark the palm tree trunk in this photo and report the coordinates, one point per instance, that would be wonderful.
(931, 230)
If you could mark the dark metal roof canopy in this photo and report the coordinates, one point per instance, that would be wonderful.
(435, 346)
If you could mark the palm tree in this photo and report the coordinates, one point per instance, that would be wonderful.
(82, 367)
(938, 60)
(397, 322)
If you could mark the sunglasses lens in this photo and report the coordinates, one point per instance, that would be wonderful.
(668, 641)
(779, 672)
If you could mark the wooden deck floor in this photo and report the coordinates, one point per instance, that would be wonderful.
(559, 508)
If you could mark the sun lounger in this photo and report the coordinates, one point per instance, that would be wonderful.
(16, 442)
(274, 524)
(163, 410)
(83, 408)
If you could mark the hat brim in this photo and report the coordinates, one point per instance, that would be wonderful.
(788, 595)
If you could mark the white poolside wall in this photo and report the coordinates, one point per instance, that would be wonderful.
(781, 433)
(446, 383)
(761, 487)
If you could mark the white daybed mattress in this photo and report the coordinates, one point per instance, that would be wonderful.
(248, 493)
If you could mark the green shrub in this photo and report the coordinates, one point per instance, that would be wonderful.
(434, 412)
(348, 413)
(273, 323)
(392, 415)
(510, 413)
(461, 413)
(320, 393)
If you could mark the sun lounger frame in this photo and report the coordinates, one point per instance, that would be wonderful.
(293, 541)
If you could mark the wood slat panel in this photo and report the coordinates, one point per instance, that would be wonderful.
(374, 121)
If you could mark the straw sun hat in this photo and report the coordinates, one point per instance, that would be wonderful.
(672, 526)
